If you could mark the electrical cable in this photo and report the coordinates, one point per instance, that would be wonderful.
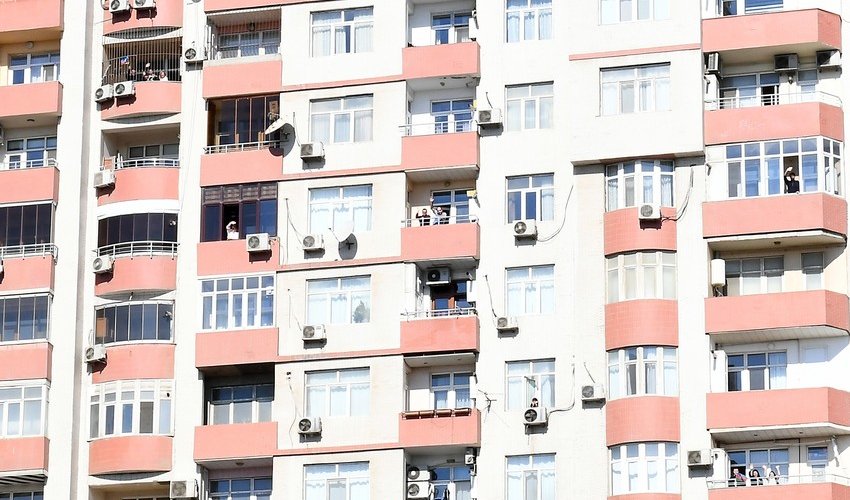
(563, 219)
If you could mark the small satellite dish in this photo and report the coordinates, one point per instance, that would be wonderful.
(275, 126)
(344, 231)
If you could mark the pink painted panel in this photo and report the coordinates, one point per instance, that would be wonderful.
(26, 361)
(152, 98)
(440, 431)
(236, 347)
(815, 491)
(130, 454)
(625, 233)
(147, 183)
(135, 362)
(643, 418)
(29, 184)
(27, 15)
(32, 99)
(441, 60)
(647, 496)
(27, 273)
(439, 150)
(460, 333)
(641, 322)
(231, 257)
(731, 410)
(260, 77)
(775, 214)
(214, 5)
(789, 27)
(773, 122)
(777, 310)
(23, 454)
(138, 273)
(219, 442)
(446, 241)
(166, 14)
(229, 168)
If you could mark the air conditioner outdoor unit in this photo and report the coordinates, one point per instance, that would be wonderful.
(591, 393)
(469, 456)
(700, 458)
(525, 229)
(649, 211)
(535, 416)
(506, 324)
(258, 242)
(419, 490)
(313, 333)
(103, 264)
(313, 243)
(309, 426)
(489, 117)
(95, 354)
(312, 151)
(828, 59)
(785, 62)
(104, 178)
(193, 55)
(712, 63)
(415, 474)
(183, 489)
(103, 93)
(124, 89)
(119, 6)
(438, 276)
(144, 4)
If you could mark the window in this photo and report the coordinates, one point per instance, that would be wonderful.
(645, 468)
(332, 208)
(346, 119)
(642, 371)
(818, 459)
(338, 393)
(263, 41)
(641, 275)
(528, 20)
(813, 270)
(530, 290)
(342, 31)
(754, 276)
(455, 477)
(252, 206)
(130, 407)
(257, 488)
(133, 322)
(452, 116)
(635, 89)
(151, 152)
(451, 390)
(244, 120)
(735, 7)
(763, 460)
(34, 68)
(348, 481)
(623, 11)
(26, 225)
(453, 202)
(530, 106)
(758, 168)
(31, 152)
(531, 197)
(25, 317)
(530, 379)
(242, 404)
(23, 495)
(232, 303)
(642, 181)
(23, 410)
(137, 232)
(743, 91)
(530, 477)
(451, 28)
(450, 299)
(339, 300)
(756, 371)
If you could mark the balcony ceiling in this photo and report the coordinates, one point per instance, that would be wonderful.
(801, 431)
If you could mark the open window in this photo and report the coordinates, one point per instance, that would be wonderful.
(253, 207)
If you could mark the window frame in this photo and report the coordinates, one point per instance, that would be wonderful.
(535, 388)
(618, 179)
(163, 308)
(769, 370)
(636, 80)
(264, 47)
(620, 368)
(351, 310)
(456, 119)
(333, 115)
(532, 469)
(339, 477)
(163, 390)
(262, 406)
(634, 11)
(540, 286)
(332, 28)
(32, 495)
(19, 157)
(522, 13)
(770, 279)
(261, 197)
(350, 204)
(53, 60)
(813, 274)
(770, 451)
(544, 197)
(16, 221)
(210, 292)
(255, 492)
(454, 30)
(328, 390)
(46, 298)
(642, 460)
(21, 407)
(451, 389)
(618, 267)
(537, 95)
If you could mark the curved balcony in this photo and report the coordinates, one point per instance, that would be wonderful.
(226, 164)
(625, 233)
(136, 361)
(37, 181)
(24, 458)
(24, 20)
(231, 257)
(166, 14)
(440, 331)
(459, 427)
(824, 487)
(435, 61)
(35, 101)
(440, 243)
(123, 454)
(139, 266)
(642, 418)
(422, 148)
(147, 179)
(257, 75)
(236, 347)
(791, 31)
(214, 443)
(641, 322)
(26, 361)
(27, 267)
(150, 98)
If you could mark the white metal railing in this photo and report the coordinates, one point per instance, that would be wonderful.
(440, 313)
(28, 250)
(147, 162)
(738, 102)
(433, 219)
(243, 146)
(139, 248)
(18, 165)
(437, 128)
(759, 482)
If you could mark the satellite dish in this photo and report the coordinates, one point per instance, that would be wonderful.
(344, 231)
(275, 126)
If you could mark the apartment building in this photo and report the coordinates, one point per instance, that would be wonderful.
(423, 250)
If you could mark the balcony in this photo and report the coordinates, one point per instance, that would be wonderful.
(625, 233)
(150, 98)
(165, 15)
(777, 414)
(432, 146)
(446, 427)
(440, 243)
(37, 181)
(642, 418)
(24, 20)
(23, 459)
(438, 61)
(734, 119)
(143, 179)
(216, 5)
(38, 101)
(641, 322)
(27, 267)
(777, 316)
(231, 257)
(222, 443)
(440, 331)
(257, 75)
(136, 361)
(139, 266)
(239, 163)
(761, 221)
(823, 487)
(236, 347)
(124, 454)
(26, 361)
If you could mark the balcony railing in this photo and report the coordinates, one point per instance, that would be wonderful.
(440, 313)
(28, 250)
(243, 146)
(432, 128)
(434, 220)
(777, 481)
(148, 162)
(139, 248)
(18, 165)
(738, 102)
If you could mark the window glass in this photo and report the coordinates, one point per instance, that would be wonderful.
(530, 290)
(530, 477)
(641, 275)
(342, 31)
(652, 184)
(339, 300)
(133, 322)
(530, 106)
(635, 89)
(528, 20)
(646, 370)
(26, 225)
(531, 197)
(527, 380)
(244, 120)
(333, 208)
(651, 467)
(754, 275)
(337, 393)
(346, 119)
(234, 211)
(240, 404)
(130, 407)
(756, 371)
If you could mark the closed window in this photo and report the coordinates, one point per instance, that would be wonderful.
(527, 380)
(643, 371)
(451, 28)
(531, 197)
(244, 120)
(23, 410)
(345, 481)
(342, 31)
(635, 89)
(451, 390)
(241, 404)
(334, 208)
(756, 371)
(346, 119)
(28, 495)
(25, 317)
(133, 322)
(633, 183)
(131, 407)
(754, 276)
(763, 460)
(530, 106)
(528, 20)
(452, 482)
(817, 458)
(26, 225)
(262, 41)
(641, 275)
(744, 91)
(739, 7)
(151, 155)
(135, 233)
(813, 270)
(253, 207)
(338, 393)
(233, 303)
(339, 300)
(453, 115)
(645, 468)
(530, 477)
(31, 152)
(623, 11)
(256, 488)
(530, 290)
(33, 68)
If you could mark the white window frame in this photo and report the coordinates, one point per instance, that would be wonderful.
(458, 206)
(457, 478)
(241, 45)
(262, 293)
(457, 31)
(38, 495)
(770, 275)
(340, 292)
(342, 208)
(451, 390)
(327, 388)
(347, 109)
(521, 13)
(539, 281)
(772, 464)
(630, 372)
(18, 152)
(775, 372)
(525, 467)
(531, 381)
(100, 401)
(524, 106)
(648, 270)
(19, 398)
(543, 193)
(638, 10)
(261, 406)
(255, 492)
(634, 77)
(350, 26)
(813, 269)
(337, 477)
(30, 67)
(37, 297)
(631, 183)
(153, 151)
(458, 118)
(817, 466)
(634, 459)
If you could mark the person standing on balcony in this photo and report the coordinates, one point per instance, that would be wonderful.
(440, 217)
(792, 185)
(232, 232)
(423, 217)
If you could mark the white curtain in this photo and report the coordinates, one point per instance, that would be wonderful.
(614, 375)
(610, 11)
(512, 25)
(342, 37)
(547, 108)
(320, 128)
(342, 127)
(363, 126)
(316, 401)
(360, 398)
(317, 309)
(515, 391)
(545, 24)
(363, 38)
